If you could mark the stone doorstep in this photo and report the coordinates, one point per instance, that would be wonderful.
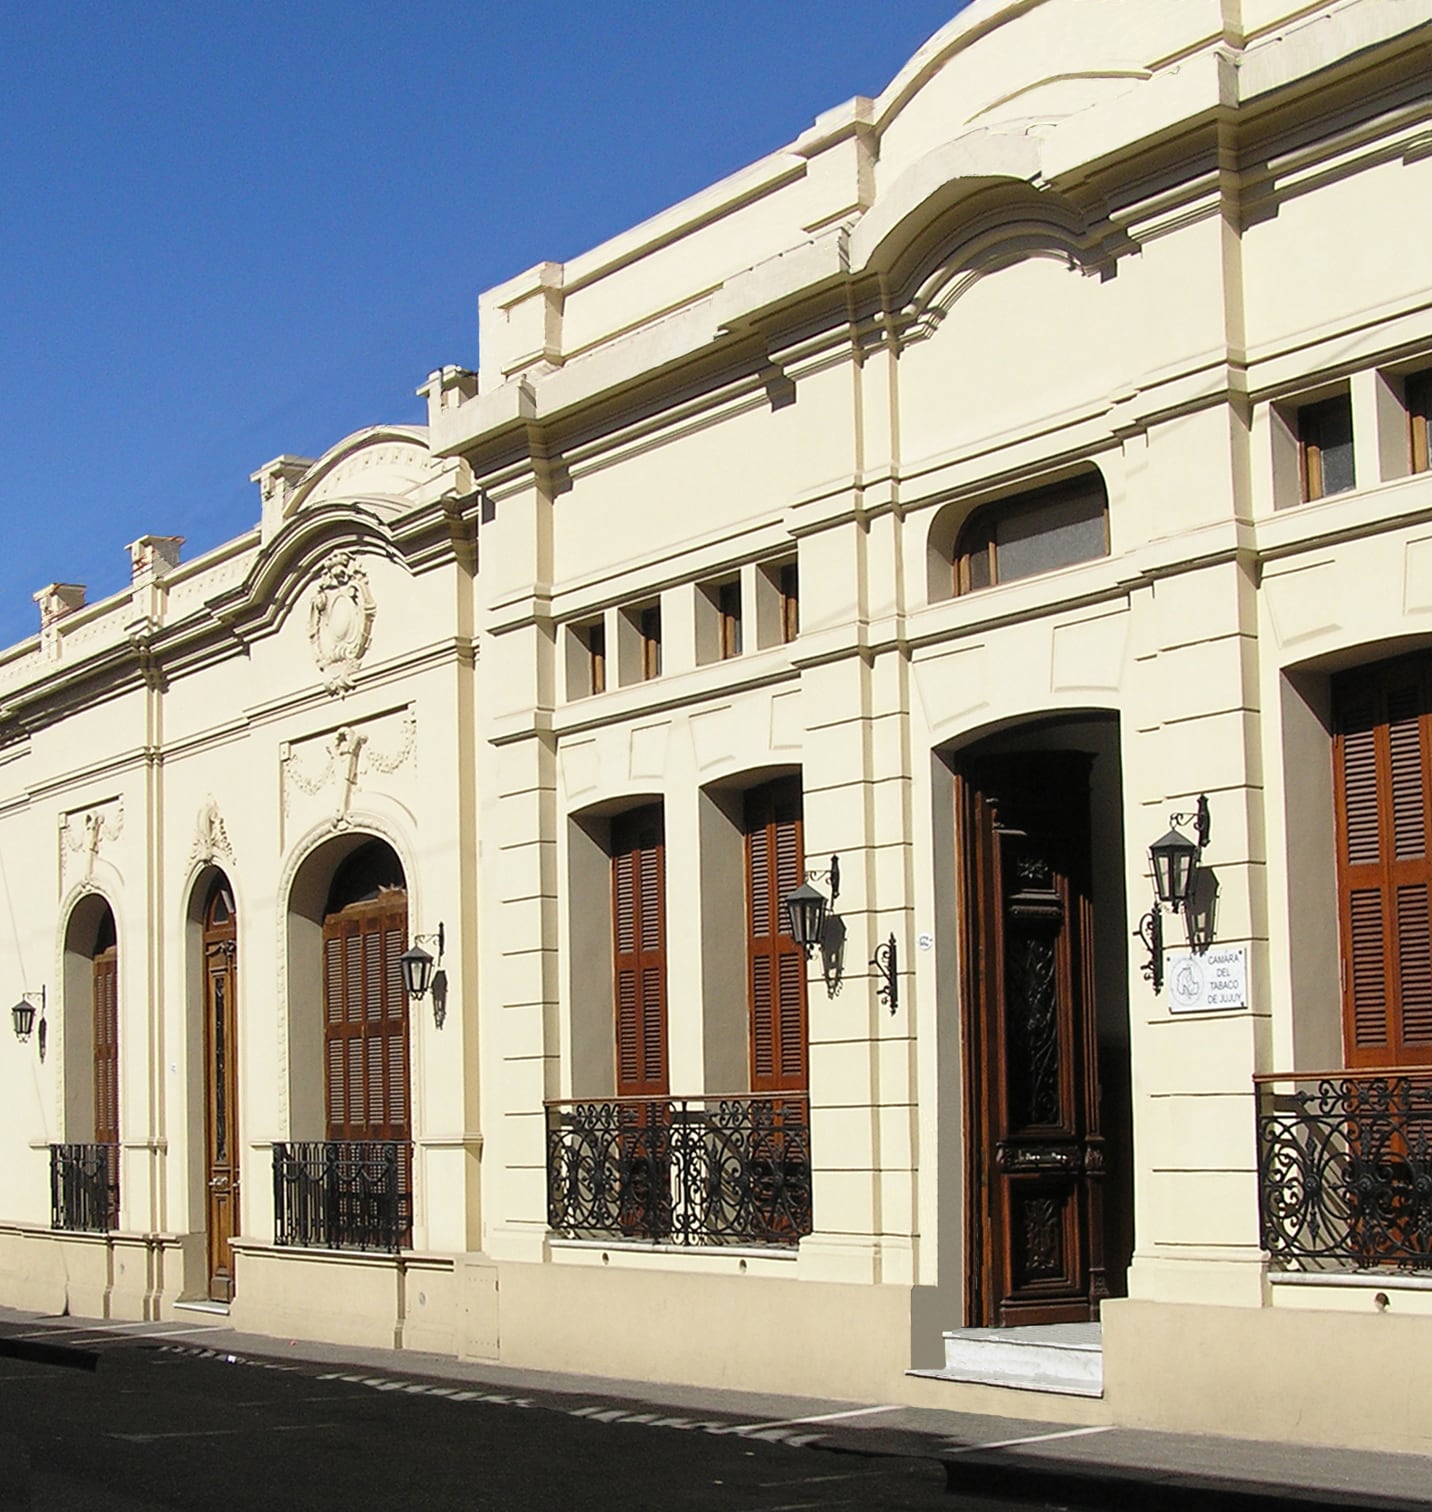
(1066, 1359)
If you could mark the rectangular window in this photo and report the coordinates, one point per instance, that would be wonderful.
(790, 602)
(586, 658)
(728, 619)
(649, 626)
(1325, 447)
(1419, 404)
(597, 658)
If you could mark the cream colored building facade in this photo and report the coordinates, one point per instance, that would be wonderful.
(989, 473)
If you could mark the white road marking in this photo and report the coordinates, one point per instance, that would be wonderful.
(151, 1438)
(801, 1422)
(55, 1333)
(1033, 1438)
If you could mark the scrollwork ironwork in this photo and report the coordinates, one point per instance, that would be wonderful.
(1345, 1170)
(685, 1171)
(343, 1194)
(84, 1188)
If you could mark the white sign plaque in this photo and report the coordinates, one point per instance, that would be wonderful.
(1203, 983)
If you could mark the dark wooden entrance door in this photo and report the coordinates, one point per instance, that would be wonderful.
(1035, 1152)
(221, 1082)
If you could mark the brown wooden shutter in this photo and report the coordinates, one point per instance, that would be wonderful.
(1381, 790)
(366, 1021)
(775, 864)
(106, 1046)
(639, 951)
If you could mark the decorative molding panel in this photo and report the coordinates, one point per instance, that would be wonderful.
(84, 833)
(319, 776)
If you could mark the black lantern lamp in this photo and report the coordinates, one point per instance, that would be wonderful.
(1174, 859)
(418, 965)
(22, 1015)
(806, 908)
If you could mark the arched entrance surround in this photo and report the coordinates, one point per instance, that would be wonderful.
(1047, 1189)
(349, 1081)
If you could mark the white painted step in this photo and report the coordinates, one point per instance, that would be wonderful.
(1067, 1358)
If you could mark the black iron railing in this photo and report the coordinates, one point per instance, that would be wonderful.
(1345, 1169)
(343, 1194)
(84, 1188)
(689, 1170)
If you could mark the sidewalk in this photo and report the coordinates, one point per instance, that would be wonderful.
(1019, 1458)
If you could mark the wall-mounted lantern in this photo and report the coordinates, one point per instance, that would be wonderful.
(418, 965)
(1175, 862)
(806, 907)
(22, 1015)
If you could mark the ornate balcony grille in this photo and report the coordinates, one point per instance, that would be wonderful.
(84, 1188)
(343, 1194)
(689, 1170)
(1345, 1169)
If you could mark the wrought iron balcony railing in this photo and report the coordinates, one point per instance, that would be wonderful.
(84, 1188)
(688, 1170)
(343, 1194)
(1345, 1169)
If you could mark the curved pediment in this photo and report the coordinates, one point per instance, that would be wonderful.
(384, 467)
(1024, 66)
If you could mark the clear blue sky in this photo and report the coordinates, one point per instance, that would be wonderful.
(234, 228)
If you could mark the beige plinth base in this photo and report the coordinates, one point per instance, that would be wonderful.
(1355, 1379)
(129, 1276)
(340, 1297)
(740, 1331)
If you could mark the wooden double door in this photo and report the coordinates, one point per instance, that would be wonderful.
(1035, 1150)
(221, 1088)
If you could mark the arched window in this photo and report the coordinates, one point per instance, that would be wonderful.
(1034, 532)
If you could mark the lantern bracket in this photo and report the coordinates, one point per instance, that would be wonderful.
(1150, 932)
(1199, 819)
(886, 965)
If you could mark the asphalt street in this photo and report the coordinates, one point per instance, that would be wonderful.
(119, 1425)
(188, 1414)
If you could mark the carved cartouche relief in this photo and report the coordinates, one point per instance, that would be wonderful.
(340, 620)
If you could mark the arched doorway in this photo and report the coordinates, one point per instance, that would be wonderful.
(1044, 1021)
(221, 1085)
